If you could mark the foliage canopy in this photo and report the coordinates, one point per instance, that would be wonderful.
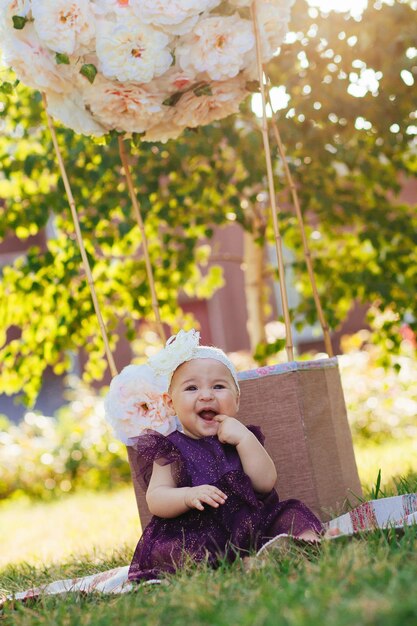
(349, 128)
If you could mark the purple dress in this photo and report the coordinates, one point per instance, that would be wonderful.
(246, 521)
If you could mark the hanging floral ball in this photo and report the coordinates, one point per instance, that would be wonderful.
(151, 67)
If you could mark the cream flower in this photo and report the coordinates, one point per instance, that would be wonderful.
(165, 129)
(130, 51)
(129, 107)
(136, 402)
(42, 72)
(183, 28)
(224, 100)
(66, 27)
(178, 348)
(174, 81)
(71, 111)
(273, 18)
(273, 21)
(170, 85)
(217, 46)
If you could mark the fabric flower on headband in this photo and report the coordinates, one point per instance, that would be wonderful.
(136, 403)
(186, 346)
(178, 349)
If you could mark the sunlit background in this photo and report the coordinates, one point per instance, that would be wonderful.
(362, 80)
(354, 6)
(278, 95)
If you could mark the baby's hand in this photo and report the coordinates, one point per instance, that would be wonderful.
(230, 430)
(208, 494)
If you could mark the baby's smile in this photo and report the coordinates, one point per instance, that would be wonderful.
(207, 414)
(202, 389)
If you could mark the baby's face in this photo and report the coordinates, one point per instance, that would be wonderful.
(201, 389)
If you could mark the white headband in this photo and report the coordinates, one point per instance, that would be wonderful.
(183, 347)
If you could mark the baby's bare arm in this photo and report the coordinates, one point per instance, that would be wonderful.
(256, 462)
(165, 499)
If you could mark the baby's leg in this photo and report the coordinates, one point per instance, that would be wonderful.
(310, 536)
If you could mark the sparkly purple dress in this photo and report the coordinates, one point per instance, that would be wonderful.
(245, 522)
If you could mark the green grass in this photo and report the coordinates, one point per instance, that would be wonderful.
(395, 459)
(84, 523)
(369, 580)
(363, 581)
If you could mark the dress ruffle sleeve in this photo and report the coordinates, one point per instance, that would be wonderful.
(258, 433)
(151, 448)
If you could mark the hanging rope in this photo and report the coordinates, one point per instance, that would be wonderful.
(138, 216)
(307, 253)
(278, 240)
(80, 242)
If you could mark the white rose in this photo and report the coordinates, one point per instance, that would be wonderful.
(217, 46)
(131, 51)
(66, 27)
(169, 12)
(183, 28)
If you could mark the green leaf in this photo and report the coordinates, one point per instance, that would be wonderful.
(203, 90)
(6, 88)
(265, 350)
(173, 99)
(137, 138)
(89, 71)
(19, 21)
(62, 59)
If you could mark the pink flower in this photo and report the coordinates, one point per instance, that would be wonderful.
(264, 371)
(223, 99)
(137, 402)
(124, 107)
